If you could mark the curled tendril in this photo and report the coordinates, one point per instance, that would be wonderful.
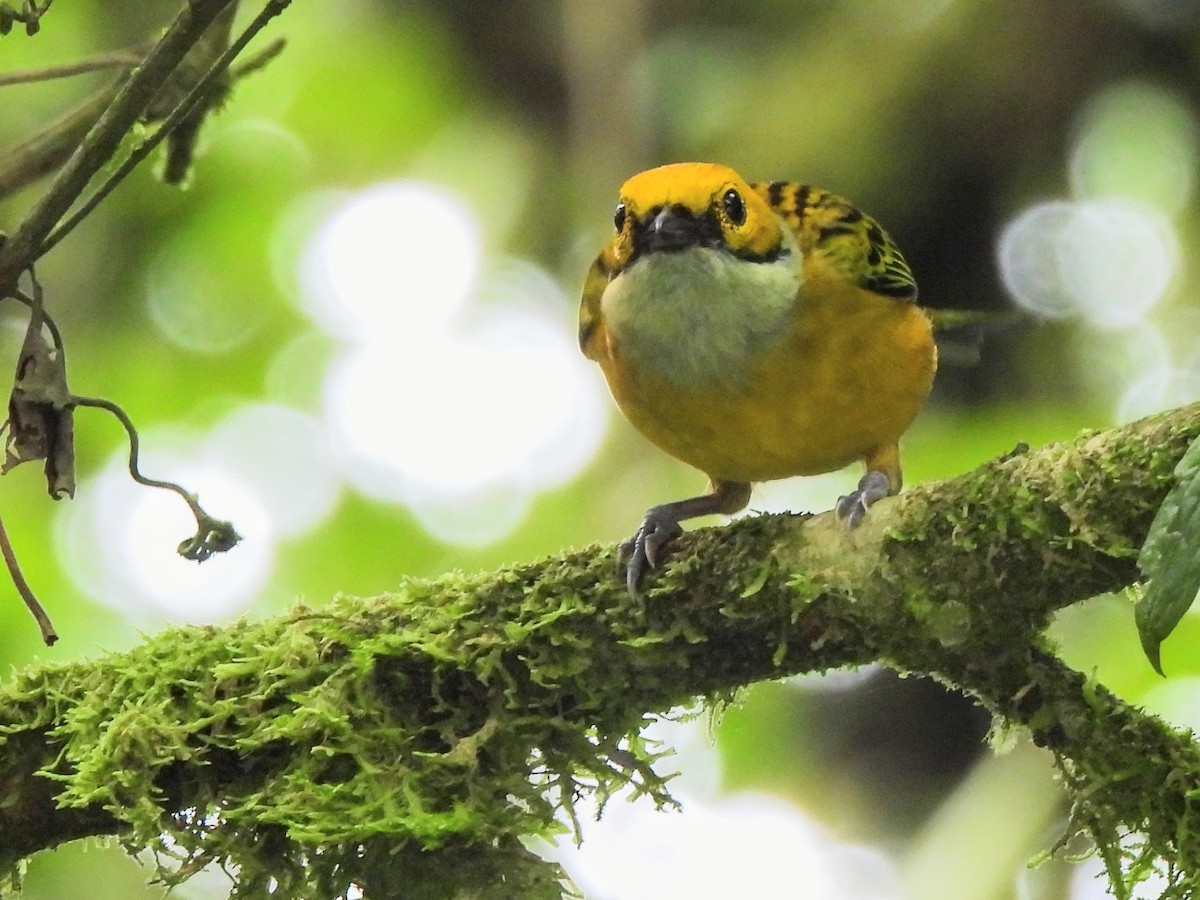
(212, 535)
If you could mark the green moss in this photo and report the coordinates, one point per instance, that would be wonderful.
(949, 623)
(299, 748)
(387, 741)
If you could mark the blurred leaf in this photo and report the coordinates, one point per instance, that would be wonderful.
(1170, 559)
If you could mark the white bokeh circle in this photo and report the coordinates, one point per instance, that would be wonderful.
(1107, 261)
(118, 540)
(391, 262)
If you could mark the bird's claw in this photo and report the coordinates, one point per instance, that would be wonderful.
(851, 508)
(646, 549)
(872, 487)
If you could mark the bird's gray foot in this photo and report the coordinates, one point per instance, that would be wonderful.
(872, 487)
(647, 548)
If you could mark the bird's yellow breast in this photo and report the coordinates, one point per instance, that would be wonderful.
(845, 375)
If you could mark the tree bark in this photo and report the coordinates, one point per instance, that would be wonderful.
(377, 740)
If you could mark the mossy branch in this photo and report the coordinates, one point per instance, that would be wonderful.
(408, 739)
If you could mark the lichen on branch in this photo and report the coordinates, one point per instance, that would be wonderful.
(410, 739)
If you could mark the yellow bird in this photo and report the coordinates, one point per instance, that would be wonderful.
(755, 332)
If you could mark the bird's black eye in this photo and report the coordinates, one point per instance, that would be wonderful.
(619, 217)
(735, 207)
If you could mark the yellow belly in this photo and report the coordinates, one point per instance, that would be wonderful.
(847, 379)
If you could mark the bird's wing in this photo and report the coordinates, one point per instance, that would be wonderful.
(829, 228)
(599, 275)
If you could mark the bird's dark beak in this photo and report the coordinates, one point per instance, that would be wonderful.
(672, 228)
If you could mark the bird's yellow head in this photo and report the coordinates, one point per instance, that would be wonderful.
(685, 205)
(700, 273)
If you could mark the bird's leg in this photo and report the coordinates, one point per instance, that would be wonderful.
(645, 549)
(882, 479)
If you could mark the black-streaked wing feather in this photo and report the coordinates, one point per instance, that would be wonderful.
(850, 240)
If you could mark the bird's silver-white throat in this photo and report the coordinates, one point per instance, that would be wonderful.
(696, 315)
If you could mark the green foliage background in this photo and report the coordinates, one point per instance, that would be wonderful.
(943, 119)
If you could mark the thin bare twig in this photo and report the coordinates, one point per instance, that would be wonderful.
(193, 101)
(44, 152)
(51, 325)
(259, 60)
(49, 635)
(121, 59)
(104, 137)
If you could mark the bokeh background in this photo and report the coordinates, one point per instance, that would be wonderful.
(353, 334)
